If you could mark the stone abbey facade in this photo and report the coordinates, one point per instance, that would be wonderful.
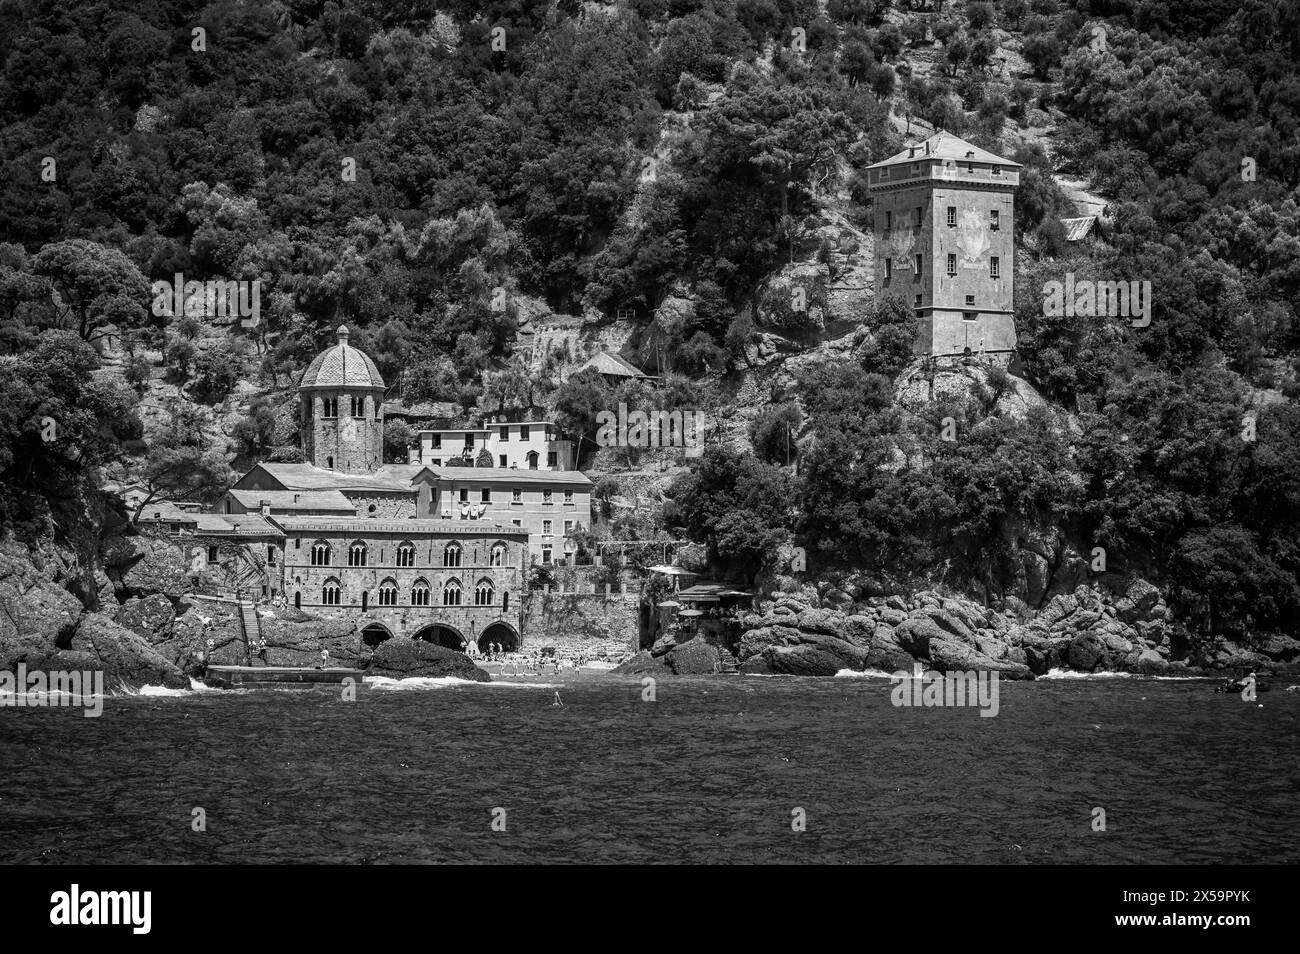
(418, 549)
(944, 241)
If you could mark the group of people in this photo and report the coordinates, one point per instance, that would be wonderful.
(531, 663)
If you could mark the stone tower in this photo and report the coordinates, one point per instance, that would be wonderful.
(945, 243)
(341, 399)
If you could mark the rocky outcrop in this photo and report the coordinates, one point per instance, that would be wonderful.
(125, 657)
(142, 565)
(37, 615)
(643, 663)
(693, 658)
(816, 632)
(152, 617)
(403, 658)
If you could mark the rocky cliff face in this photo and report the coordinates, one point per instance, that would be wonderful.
(1090, 630)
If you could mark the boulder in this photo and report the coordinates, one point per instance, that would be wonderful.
(948, 655)
(948, 621)
(1087, 652)
(151, 617)
(403, 658)
(1137, 602)
(663, 645)
(643, 664)
(915, 633)
(693, 658)
(37, 615)
(125, 657)
(146, 565)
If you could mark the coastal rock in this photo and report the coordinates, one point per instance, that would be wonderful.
(151, 617)
(948, 620)
(404, 658)
(948, 654)
(37, 615)
(1137, 602)
(693, 658)
(663, 645)
(1087, 652)
(915, 634)
(125, 657)
(643, 664)
(146, 565)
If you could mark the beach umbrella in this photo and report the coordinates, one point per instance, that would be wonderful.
(690, 613)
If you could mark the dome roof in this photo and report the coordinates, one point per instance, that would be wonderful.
(342, 366)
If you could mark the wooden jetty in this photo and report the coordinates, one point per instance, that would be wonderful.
(233, 677)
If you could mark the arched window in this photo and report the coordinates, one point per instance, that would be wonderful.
(532, 460)
(498, 555)
(451, 555)
(483, 592)
(451, 593)
(329, 407)
(358, 406)
(357, 554)
(420, 593)
(406, 553)
(331, 593)
(388, 592)
(320, 553)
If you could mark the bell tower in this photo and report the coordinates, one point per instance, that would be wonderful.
(944, 241)
(341, 417)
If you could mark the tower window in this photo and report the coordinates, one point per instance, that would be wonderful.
(920, 216)
(918, 301)
(970, 299)
(889, 269)
(358, 406)
(993, 219)
(993, 266)
(889, 221)
(952, 264)
(920, 262)
(329, 407)
(952, 216)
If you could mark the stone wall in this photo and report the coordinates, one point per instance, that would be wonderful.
(582, 622)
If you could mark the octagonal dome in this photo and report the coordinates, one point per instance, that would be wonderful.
(342, 366)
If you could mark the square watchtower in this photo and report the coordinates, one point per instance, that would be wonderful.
(945, 242)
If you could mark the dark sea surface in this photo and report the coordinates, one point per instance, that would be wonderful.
(710, 772)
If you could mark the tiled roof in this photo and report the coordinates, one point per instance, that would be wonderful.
(944, 145)
(236, 525)
(507, 475)
(362, 526)
(295, 500)
(612, 364)
(389, 478)
(342, 366)
(167, 512)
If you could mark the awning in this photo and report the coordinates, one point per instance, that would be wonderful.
(668, 604)
(697, 598)
(735, 593)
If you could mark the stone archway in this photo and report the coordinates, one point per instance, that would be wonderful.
(440, 634)
(503, 634)
(373, 633)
